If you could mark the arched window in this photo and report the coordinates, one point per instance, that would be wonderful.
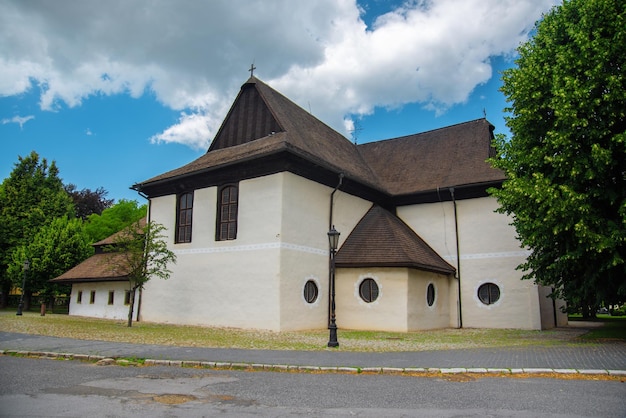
(488, 293)
(228, 204)
(183, 220)
(368, 290)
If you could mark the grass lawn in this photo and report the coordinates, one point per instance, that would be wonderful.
(614, 328)
(194, 336)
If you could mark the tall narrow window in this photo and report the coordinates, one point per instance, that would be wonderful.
(227, 213)
(183, 221)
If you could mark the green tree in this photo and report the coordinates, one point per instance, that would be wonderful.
(55, 248)
(114, 218)
(142, 254)
(31, 197)
(566, 160)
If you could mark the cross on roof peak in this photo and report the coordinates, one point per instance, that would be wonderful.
(252, 68)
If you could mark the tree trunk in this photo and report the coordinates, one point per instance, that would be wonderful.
(4, 291)
(131, 307)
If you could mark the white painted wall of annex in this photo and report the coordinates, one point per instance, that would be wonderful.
(489, 253)
(401, 305)
(101, 308)
(420, 316)
(387, 313)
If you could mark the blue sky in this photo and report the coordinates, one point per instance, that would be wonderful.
(116, 92)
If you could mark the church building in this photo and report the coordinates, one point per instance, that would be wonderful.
(420, 246)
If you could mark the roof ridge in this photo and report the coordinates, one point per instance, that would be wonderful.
(455, 125)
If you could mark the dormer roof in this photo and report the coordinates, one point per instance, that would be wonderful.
(381, 239)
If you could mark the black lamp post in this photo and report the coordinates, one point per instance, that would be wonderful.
(20, 306)
(333, 240)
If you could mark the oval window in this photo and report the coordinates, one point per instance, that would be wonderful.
(430, 294)
(489, 293)
(310, 291)
(368, 290)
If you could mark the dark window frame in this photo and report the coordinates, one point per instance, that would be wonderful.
(311, 291)
(227, 212)
(184, 217)
(79, 297)
(127, 297)
(489, 293)
(368, 290)
(92, 297)
(111, 297)
(430, 294)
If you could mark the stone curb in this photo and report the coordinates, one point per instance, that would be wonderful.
(327, 369)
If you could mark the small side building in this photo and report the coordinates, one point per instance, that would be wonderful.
(100, 286)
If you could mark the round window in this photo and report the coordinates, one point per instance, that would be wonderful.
(430, 294)
(310, 291)
(488, 293)
(368, 290)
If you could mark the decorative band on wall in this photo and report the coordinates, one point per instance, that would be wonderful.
(488, 255)
(251, 247)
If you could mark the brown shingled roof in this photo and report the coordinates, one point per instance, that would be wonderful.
(259, 109)
(452, 156)
(100, 267)
(381, 239)
(97, 268)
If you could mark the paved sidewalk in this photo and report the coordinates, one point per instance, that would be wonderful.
(605, 358)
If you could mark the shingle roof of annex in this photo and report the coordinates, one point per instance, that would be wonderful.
(102, 266)
(97, 268)
(381, 239)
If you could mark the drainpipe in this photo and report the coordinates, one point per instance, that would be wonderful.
(332, 195)
(458, 255)
(330, 225)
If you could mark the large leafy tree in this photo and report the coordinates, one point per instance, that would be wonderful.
(31, 197)
(55, 248)
(141, 253)
(566, 160)
(87, 201)
(114, 218)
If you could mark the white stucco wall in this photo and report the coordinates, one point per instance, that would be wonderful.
(101, 308)
(256, 280)
(489, 253)
(222, 283)
(420, 316)
(388, 312)
(401, 304)
(304, 256)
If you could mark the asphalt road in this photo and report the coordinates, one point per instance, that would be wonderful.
(56, 388)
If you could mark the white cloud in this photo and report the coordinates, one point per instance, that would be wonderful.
(20, 120)
(193, 55)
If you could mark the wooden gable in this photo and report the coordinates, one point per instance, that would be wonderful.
(248, 119)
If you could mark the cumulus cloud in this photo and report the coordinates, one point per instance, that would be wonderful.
(193, 55)
(20, 120)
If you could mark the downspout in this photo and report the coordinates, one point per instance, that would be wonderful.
(332, 195)
(458, 256)
(330, 225)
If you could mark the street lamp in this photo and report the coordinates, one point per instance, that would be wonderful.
(333, 241)
(20, 306)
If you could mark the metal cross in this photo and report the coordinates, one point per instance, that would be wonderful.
(252, 68)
